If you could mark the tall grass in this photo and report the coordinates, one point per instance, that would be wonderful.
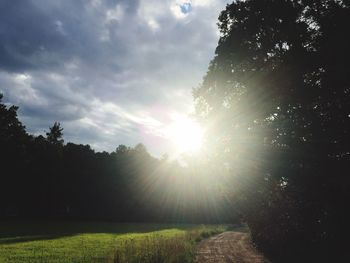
(141, 243)
(158, 248)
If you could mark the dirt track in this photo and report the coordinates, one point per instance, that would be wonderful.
(228, 247)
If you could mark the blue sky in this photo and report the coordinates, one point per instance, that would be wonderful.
(112, 72)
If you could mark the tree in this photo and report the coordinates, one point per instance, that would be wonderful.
(54, 136)
(13, 159)
(140, 148)
(276, 96)
(11, 128)
(121, 149)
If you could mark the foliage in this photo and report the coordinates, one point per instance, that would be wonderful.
(41, 177)
(13, 154)
(276, 97)
(54, 136)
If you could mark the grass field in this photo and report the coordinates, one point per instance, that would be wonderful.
(100, 242)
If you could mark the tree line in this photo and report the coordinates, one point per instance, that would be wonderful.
(43, 177)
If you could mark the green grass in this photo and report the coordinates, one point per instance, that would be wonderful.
(100, 242)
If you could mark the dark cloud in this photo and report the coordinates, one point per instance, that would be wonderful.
(27, 36)
(103, 67)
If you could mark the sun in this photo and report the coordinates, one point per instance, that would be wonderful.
(186, 135)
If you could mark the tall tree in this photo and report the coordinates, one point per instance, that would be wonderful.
(54, 136)
(276, 98)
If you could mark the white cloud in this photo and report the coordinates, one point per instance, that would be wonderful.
(153, 24)
(115, 14)
(151, 11)
(205, 3)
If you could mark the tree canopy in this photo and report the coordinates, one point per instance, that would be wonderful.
(276, 99)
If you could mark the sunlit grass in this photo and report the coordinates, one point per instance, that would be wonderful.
(166, 244)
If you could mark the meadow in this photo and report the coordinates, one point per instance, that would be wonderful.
(82, 242)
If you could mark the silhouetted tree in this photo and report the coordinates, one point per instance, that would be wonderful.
(13, 158)
(54, 136)
(276, 97)
(42, 177)
(121, 149)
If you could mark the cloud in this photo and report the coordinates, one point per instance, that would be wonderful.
(110, 71)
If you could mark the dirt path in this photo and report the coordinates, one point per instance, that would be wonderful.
(229, 246)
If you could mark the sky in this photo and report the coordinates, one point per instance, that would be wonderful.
(110, 71)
